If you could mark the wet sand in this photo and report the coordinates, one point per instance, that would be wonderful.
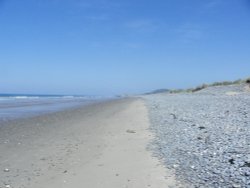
(102, 145)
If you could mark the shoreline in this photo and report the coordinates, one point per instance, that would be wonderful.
(28, 108)
(99, 145)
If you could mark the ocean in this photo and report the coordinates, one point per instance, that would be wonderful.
(13, 106)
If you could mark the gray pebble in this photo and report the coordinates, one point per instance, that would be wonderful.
(204, 136)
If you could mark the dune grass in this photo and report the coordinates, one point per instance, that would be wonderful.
(201, 87)
(224, 83)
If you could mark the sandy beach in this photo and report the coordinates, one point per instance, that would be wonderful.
(98, 146)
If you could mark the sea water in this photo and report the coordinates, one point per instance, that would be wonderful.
(14, 106)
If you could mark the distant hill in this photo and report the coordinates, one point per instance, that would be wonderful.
(158, 91)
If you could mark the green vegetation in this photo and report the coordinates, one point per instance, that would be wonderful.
(176, 91)
(159, 91)
(201, 87)
(224, 83)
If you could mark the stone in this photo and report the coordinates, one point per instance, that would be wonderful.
(130, 131)
(6, 170)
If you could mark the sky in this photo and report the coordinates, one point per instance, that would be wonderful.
(107, 47)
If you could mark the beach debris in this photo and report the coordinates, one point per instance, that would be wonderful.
(174, 116)
(65, 171)
(236, 186)
(201, 127)
(43, 159)
(231, 161)
(6, 170)
(246, 164)
(175, 165)
(7, 186)
(130, 131)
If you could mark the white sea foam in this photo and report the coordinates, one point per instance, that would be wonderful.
(20, 97)
(68, 97)
(25, 105)
(25, 97)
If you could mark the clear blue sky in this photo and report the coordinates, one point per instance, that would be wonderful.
(121, 46)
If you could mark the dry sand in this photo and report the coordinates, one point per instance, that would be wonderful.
(98, 146)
